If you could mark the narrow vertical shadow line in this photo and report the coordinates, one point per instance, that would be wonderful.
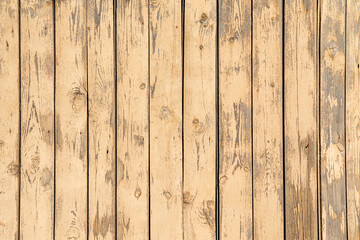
(319, 122)
(20, 169)
(149, 124)
(345, 138)
(182, 107)
(252, 120)
(54, 61)
(116, 112)
(87, 120)
(283, 114)
(217, 205)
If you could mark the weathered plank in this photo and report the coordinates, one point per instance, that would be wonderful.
(235, 154)
(166, 181)
(199, 119)
(353, 117)
(37, 120)
(101, 88)
(71, 120)
(9, 119)
(301, 81)
(133, 119)
(332, 142)
(267, 120)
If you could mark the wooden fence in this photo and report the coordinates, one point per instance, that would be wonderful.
(179, 119)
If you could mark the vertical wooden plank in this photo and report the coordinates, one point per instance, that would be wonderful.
(71, 120)
(9, 119)
(353, 117)
(133, 119)
(332, 67)
(301, 119)
(166, 198)
(267, 120)
(199, 119)
(37, 120)
(101, 83)
(235, 163)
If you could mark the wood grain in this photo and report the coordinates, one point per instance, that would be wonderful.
(101, 83)
(353, 118)
(235, 150)
(71, 120)
(332, 79)
(267, 120)
(199, 119)
(301, 110)
(166, 191)
(37, 120)
(9, 119)
(133, 119)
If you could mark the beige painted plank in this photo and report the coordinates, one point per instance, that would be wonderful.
(71, 120)
(101, 83)
(166, 199)
(353, 118)
(37, 120)
(199, 119)
(267, 120)
(133, 119)
(235, 163)
(301, 81)
(9, 119)
(332, 77)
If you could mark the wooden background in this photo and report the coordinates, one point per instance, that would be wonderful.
(179, 119)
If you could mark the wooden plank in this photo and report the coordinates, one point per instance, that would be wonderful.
(199, 119)
(101, 83)
(133, 119)
(235, 150)
(165, 120)
(353, 118)
(37, 120)
(9, 119)
(71, 120)
(301, 119)
(267, 120)
(332, 72)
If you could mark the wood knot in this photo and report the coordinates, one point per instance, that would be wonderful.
(188, 198)
(167, 195)
(203, 18)
(13, 168)
(137, 192)
(142, 86)
(154, 3)
(165, 113)
(77, 99)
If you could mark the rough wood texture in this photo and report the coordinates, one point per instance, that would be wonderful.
(235, 162)
(199, 119)
(332, 71)
(9, 119)
(165, 120)
(301, 110)
(133, 120)
(71, 120)
(353, 117)
(267, 120)
(116, 114)
(37, 120)
(101, 83)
